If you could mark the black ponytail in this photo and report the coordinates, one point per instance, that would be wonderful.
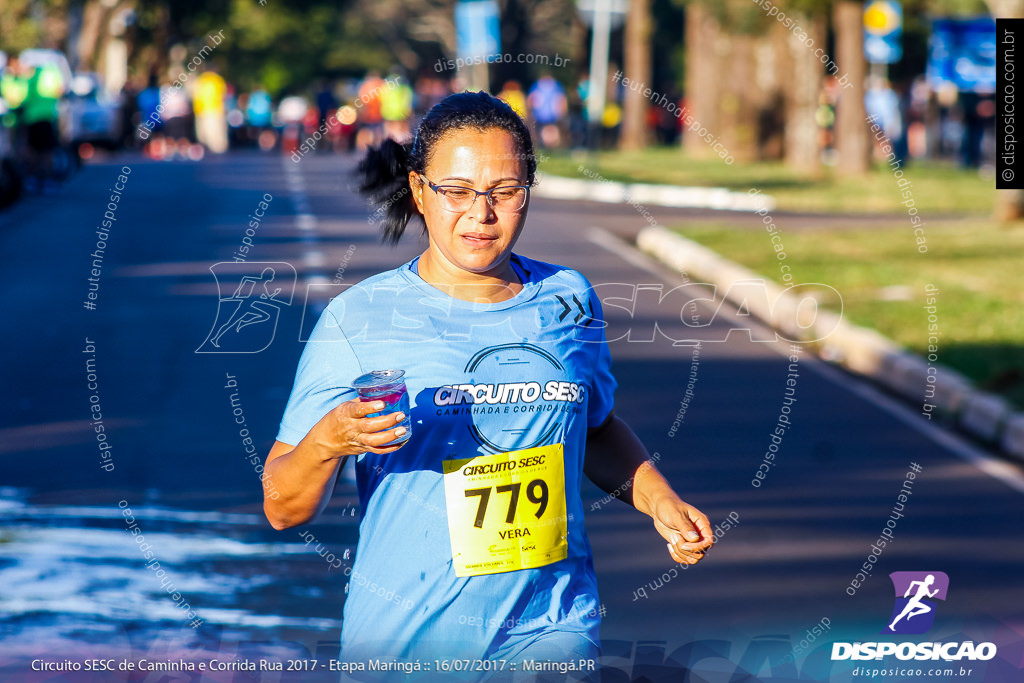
(384, 173)
(384, 180)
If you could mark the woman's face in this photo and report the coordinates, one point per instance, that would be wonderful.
(480, 239)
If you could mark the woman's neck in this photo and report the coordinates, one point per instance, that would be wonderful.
(495, 286)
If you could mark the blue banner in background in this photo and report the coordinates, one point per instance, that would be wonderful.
(962, 52)
(477, 29)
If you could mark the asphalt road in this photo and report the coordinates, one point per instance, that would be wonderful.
(177, 458)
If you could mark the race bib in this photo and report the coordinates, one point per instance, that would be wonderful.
(506, 511)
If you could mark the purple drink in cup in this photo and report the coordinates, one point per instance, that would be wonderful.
(387, 386)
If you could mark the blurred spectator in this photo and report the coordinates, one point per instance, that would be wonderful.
(325, 103)
(978, 116)
(917, 106)
(177, 123)
(371, 123)
(611, 123)
(291, 112)
(430, 91)
(548, 106)
(40, 89)
(514, 97)
(883, 105)
(578, 112)
(258, 117)
(825, 117)
(211, 118)
(343, 135)
(664, 119)
(234, 104)
(13, 87)
(128, 107)
(147, 102)
(396, 108)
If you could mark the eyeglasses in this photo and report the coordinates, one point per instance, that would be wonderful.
(461, 199)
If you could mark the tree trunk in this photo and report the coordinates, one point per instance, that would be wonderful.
(637, 67)
(803, 145)
(738, 107)
(702, 79)
(852, 139)
(93, 16)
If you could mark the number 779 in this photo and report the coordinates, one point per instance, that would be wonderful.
(537, 498)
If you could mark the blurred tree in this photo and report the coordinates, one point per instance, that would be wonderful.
(752, 82)
(93, 18)
(801, 92)
(404, 23)
(540, 27)
(853, 142)
(32, 23)
(285, 47)
(637, 67)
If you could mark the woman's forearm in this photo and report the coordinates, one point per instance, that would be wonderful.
(304, 475)
(304, 480)
(618, 463)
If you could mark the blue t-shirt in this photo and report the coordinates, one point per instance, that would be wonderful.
(405, 599)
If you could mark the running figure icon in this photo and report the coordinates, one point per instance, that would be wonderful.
(249, 305)
(915, 607)
(249, 310)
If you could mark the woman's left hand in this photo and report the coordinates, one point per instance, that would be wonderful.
(686, 529)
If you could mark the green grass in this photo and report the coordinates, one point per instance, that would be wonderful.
(977, 267)
(936, 187)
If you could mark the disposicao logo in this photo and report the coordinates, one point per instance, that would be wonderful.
(914, 613)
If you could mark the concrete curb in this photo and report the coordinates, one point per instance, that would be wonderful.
(931, 387)
(612, 192)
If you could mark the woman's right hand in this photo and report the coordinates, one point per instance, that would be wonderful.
(347, 431)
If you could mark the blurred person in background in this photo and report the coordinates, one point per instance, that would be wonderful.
(13, 89)
(346, 129)
(326, 104)
(918, 97)
(128, 107)
(371, 123)
(825, 117)
(291, 112)
(178, 125)
(979, 111)
(548, 106)
(665, 119)
(211, 116)
(39, 89)
(882, 105)
(10, 178)
(234, 104)
(512, 94)
(429, 91)
(259, 118)
(147, 101)
(396, 107)
(577, 106)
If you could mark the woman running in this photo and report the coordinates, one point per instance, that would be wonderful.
(471, 540)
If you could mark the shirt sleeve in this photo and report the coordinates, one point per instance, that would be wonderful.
(602, 382)
(326, 370)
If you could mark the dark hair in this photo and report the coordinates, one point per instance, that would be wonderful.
(383, 174)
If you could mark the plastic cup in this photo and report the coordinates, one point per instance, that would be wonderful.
(387, 386)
